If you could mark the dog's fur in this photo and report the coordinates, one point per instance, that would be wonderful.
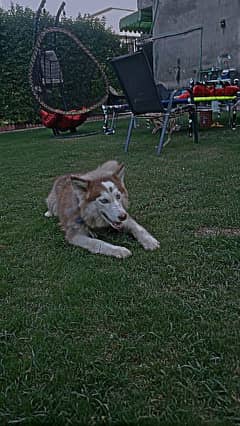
(157, 121)
(98, 199)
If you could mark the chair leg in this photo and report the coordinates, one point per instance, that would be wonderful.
(163, 132)
(55, 131)
(105, 123)
(114, 119)
(165, 123)
(190, 124)
(193, 119)
(129, 133)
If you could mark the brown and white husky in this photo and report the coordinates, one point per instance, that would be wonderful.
(94, 200)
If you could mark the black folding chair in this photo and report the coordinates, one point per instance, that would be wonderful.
(135, 75)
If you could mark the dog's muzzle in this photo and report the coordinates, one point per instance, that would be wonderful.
(115, 224)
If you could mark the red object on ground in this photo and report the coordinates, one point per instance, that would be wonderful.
(184, 95)
(231, 90)
(202, 90)
(62, 122)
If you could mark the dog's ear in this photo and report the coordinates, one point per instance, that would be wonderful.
(78, 183)
(120, 173)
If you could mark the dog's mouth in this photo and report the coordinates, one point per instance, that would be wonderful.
(115, 225)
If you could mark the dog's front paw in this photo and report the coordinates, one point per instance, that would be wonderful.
(150, 243)
(121, 252)
(48, 214)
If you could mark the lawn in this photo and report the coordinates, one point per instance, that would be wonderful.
(151, 339)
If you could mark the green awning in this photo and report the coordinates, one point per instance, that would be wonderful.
(140, 21)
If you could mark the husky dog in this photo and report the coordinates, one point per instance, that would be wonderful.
(94, 200)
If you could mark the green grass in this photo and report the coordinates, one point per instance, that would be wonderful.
(152, 339)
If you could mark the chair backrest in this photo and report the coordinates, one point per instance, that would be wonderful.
(136, 78)
(147, 49)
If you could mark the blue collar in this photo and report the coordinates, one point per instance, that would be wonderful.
(79, 220)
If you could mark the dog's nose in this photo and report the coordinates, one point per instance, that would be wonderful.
(122, 217)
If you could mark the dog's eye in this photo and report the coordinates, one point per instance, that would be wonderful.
(104, 201)
(118, 196)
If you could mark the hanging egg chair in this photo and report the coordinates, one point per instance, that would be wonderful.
(59, 60)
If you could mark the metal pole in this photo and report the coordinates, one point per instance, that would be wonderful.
(60, 10)
(36, 21)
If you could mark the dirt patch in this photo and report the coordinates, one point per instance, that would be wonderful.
(215, 232)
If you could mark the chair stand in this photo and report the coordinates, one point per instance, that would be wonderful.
(115, 111)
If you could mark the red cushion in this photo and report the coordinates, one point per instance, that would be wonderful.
(48, 119)
(60, 121)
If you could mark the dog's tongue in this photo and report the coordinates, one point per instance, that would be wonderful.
(117, 225)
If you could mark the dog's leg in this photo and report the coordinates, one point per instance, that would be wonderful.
(141, 234)
(51, 204)
(98, 246)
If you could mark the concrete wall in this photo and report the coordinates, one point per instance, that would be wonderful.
(173, 16)
(142, 4)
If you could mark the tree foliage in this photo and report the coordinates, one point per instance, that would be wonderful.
(16, 44)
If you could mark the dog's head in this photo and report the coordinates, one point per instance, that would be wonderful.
(105, 196)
